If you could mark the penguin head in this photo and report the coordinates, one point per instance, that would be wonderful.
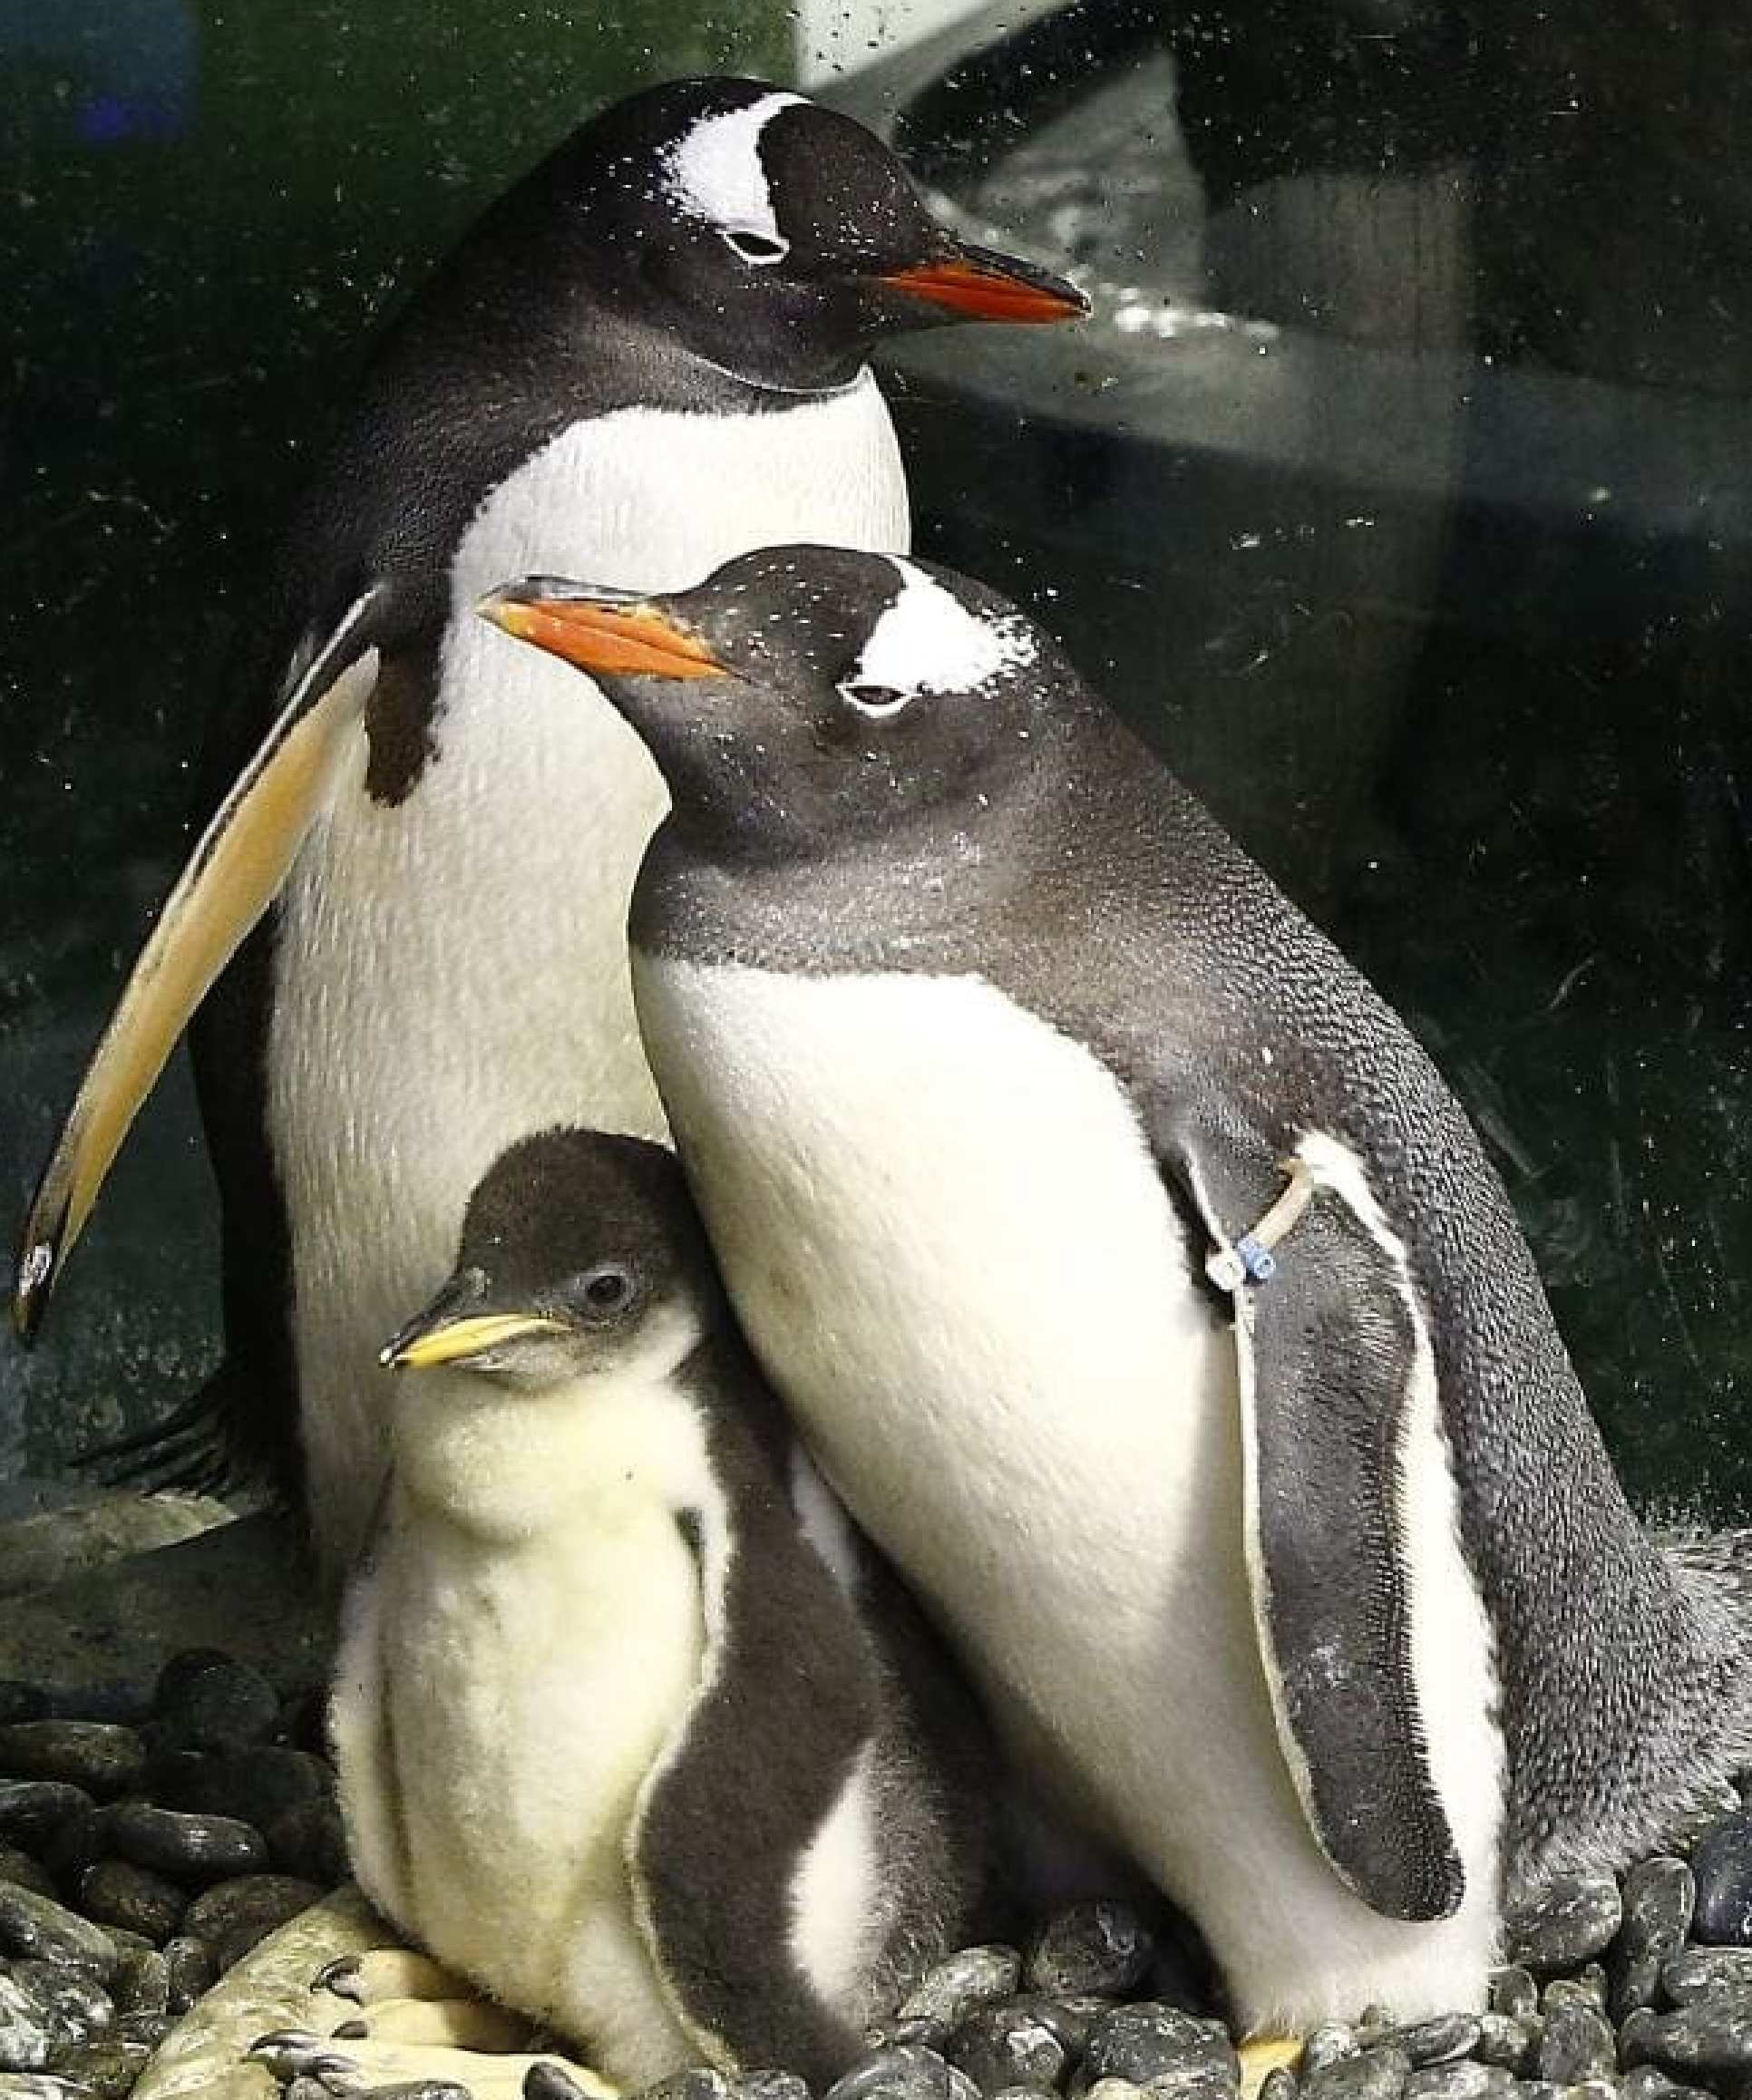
(776, 238)
(805, 698)
(581, 1257)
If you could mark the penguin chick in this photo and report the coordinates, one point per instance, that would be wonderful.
(1140, 1286)
(650, 356)
(630, 1729)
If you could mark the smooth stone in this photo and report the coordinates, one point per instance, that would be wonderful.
(189, 1971)
(1702, 1971)
(32, 1810)
(1330, 2042)
(37, 1927)
(1102, 1947)
(1438, 2040)
(1376, 2074)
(142, 1983)
(1460, 2082)
(1510, 2042)
(187, 1848)
(1113, 2089)
(1514, 1993)
(1647, 2082)
(896, 2033)
(998, 2046)
(1659, 1897)
(1570, 1920)
(540, 2082)
(41, 2085)
(74, 2003)
(1587, 1990)
(1537, 2089)
(116, 1892)
(435, 2088)
(101, 1756)
(255, 1784)
(253, 1902)
(310, 1841)
(109, 2068)
(28, 1873)
(22, 1702)
(1072, 2018)
(72, 1848)
(906, 2072)
(207, 1700)
(1721, 1863)
(1714, 2035)
(697, 2084)
(147, 2027)
(1160, 2048)
(1596, 2088)
(27, 2034)
(769, 2086)
(1578, 2043)
(949, 1992)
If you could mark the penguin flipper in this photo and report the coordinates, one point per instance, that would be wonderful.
(1335, 1365)
(234, 873)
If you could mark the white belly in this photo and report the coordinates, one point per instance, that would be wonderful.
(452, 971)
(946, 1237)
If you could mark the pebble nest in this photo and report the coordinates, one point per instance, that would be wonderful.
(148, 1843)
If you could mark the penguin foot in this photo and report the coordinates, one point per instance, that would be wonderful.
(353, 2066)
(1264, 2055)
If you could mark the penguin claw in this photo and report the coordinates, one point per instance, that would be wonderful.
(337, 1976)
(291, 2053)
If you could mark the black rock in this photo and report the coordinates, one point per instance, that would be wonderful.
(141, 1984)
(255, 1784)
(34, 1811)
(1586, 1988)
(253, 1903)
(1438, 2041)
(103, 1757)
(1722, 1863)
(207, 1701)
(1072, 2018)
(1460, 2082)
(949, 1992)
(1714, 2035)
(1515, 1992)
(1100, 1947)
(109, 2068)
(186, 1847)
(1374, 2074)
(898, 2034)
(1159, 2046)
(29, 1873)
(1578, 2043)
(1332, 2042)
(190, 1969)
(42, 2086)
(76, 2005)
(74, 1847)
(1511, 2043)
(115, 1893)
(22, 1702)
(37, 1927)
(26, 2031)
(905, 2073)
(1701, 1971)
(769, 2086)
(998, 2046)
(309, 1839)
(549, 2082)
(1570, 1920)
(1660, 1896)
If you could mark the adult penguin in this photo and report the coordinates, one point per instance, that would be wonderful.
(648, 356)
(1141, 1288)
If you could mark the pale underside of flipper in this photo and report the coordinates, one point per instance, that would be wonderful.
(232, 878)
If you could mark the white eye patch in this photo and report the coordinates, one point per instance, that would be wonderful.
(928, 642)
(714, 171)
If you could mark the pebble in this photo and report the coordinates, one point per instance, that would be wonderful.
(101, 1756)
(1660, 1896)
(1330, 2042)
(1374, 2074)
(254, 1904)
(769, 2086)
(205, 1700)
(115, 1893)
(149, 2027)
(308, 1840)
(949, 1992)
(33, 1925)
(1515, 1992)
(1101, 1946)
(29, 1873)
(1461, 2082)
(1071, 2019)
(31, 1811)
(24, 2031)
(189, 1971)
(540, 2082)
(1578, 2043)
(1439, 2040)
(1000, 2046)
(22, 1702)
(907, 2072)
(109, 2068)
(1722, 1864)
(1159, 2046)
(74, 2003)
(1511, 2043)
(40, 2085)
(1701, 1971)
(898, 2034)
(255, 1785)
(1570, 1921)
(186, 1847)
(142, 1983)
(1649, 2083)
(1714, 2035)
(698, 2084)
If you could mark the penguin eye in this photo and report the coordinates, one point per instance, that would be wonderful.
(755, 247)
(608, 1287)
(875, 700)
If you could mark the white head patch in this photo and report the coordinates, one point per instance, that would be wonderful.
(928, 642)
(714, 171)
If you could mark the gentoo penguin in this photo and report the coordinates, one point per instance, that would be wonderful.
(631, 1728)
(1140, 1285)
(647, 357)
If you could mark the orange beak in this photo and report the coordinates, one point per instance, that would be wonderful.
(598, 630)
(984, 286)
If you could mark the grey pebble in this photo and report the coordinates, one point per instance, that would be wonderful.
(28, 1873)
(1713, 2035)
(31, 1811)
(1570, 1920)
(896, 2033)
(1511, 2043)
(949, 1992)
(147, 2027)
(41, 2085)
(1159, 2046)
(1438, 2040)
(32, 1926)
(189, 1971)
(1721, 1862)
(114, 1892)
(1461, 2082)
(101, 1756)
(255, 1784)
(907, 2072)
(1091, 1947)
(109, 2068)
(1701, 1971)
(1578, 2043)
(1586, 1988)
(769, 2086)
(1537, 2089)
(427, 2089)
(187, 1847)
(1330, 2042)
(310, 1841)
(1376, 2073)
(1071, 2018)
(999, 2044)
(25, 2033)
(1513, 1992)
(74, 2004)
(1598, 2087)
(142, 1983)
(1114, 2089)
(254, 1904)
(1647, 2082)
(1660, 1896)
(548, 2081)
(207, 1700)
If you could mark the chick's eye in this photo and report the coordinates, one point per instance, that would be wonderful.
(605, 1287)
(755, 247)
(872, 700)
